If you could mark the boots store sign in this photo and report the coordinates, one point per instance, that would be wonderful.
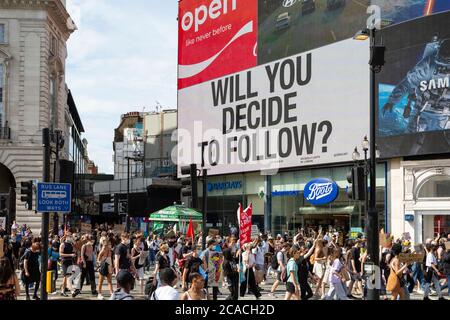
(321, 191)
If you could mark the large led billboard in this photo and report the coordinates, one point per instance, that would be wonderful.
(280, 83)
(414, 88)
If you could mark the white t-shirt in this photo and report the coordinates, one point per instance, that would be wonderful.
(248, 257)
(431, 259)
(259, 255)
(281, 257)
(165, 293)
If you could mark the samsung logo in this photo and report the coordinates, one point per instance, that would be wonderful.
(321, 191)
(224, 185)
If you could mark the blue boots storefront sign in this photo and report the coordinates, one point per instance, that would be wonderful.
(321, 191)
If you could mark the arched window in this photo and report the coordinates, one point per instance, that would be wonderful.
(435, 187)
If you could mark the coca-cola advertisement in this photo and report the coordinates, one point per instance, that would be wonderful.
(216, 38)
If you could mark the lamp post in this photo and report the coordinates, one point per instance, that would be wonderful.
(376, 63)
(137, 158)
(356, 157)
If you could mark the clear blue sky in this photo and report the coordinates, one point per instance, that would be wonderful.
(122, 58)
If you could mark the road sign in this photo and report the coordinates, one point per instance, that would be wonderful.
(54, 197)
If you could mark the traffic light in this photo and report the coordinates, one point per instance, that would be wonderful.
(27, 194)
(123, 207)
(356, 189)
(189, 184)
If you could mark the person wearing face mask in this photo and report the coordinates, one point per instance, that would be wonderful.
(67, 255)
(122, 258)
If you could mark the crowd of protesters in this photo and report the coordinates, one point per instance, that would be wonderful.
(312, 264)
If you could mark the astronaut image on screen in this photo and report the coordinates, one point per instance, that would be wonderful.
(427, 88)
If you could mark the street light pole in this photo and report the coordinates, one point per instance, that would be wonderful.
(128, 225)
(205, 206)
(373, 258)
(373, 293)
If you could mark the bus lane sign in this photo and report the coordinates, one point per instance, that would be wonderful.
(54, 197)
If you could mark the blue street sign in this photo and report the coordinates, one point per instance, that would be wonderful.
(54, 197)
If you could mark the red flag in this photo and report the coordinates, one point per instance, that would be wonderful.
(190, 231)
(245, 224)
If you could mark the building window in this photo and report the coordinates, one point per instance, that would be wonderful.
(53, 95)
(53, 46)
(2, 110)
(2, 33)
(436, 187)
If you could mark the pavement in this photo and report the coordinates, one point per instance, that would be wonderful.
(279, 294)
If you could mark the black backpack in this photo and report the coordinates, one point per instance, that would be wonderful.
(274, 263)
(150, 287)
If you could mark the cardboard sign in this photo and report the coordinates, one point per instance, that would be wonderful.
(255, 231)
(1, 248)
(341, 239)
(385, 239)
(411, 257)
(86, 228)
(118, 229)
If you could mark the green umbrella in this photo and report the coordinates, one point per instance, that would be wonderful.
(176, 213)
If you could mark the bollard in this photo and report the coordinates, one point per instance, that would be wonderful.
(50, 282)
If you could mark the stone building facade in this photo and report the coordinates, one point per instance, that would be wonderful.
(34, 94)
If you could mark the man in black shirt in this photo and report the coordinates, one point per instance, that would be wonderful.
(355, 273)
(122, 254)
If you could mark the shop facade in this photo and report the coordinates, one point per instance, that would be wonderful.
(421, 198)
(280, 205)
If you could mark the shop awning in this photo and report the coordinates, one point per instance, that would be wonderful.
(176, 213)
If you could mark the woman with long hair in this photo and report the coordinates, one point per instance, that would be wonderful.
(9, 283)
(336, 277)
(231, 273)
(394, 283)
(292, 282)
(106, 267)
(320, 259)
